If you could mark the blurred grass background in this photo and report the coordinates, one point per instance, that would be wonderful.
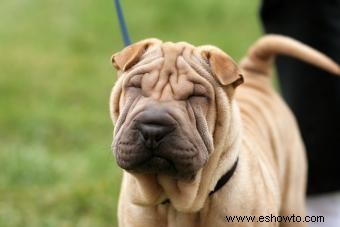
(56, 166)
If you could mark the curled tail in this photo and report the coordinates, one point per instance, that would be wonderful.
(262, 53)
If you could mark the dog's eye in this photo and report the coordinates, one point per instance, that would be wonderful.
(135, 81)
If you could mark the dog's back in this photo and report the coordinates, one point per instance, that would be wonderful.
(271, 134)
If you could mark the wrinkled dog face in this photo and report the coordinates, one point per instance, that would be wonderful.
(164, 104)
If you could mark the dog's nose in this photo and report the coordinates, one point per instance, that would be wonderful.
(154, 124)
(153, 133)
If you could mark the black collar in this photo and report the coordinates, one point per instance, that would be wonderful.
(220, 183)
(225, 178)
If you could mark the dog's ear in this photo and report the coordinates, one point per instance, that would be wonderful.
(222, 66)
(130, 55)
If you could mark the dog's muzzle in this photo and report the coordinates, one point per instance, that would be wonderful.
(155, 143)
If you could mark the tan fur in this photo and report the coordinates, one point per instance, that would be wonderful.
(253, 125)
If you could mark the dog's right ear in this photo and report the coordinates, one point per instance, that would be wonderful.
(222, 66)
(130, 55)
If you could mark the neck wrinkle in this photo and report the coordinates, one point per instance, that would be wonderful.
(230, 148)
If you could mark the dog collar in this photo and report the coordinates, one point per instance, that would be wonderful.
(225, 178)
(220, 183)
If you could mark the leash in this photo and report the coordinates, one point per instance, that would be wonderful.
(122, 25)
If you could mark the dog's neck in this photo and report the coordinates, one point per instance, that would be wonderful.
(152, 190)
(225, 178)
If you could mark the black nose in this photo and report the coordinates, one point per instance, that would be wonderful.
(154, 124)
(153, 133)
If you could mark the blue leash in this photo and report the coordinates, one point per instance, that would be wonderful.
(122, 25)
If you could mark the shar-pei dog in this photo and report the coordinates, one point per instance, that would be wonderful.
(204, 141)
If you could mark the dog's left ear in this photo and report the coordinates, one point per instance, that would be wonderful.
(222, 66)
(130, 55)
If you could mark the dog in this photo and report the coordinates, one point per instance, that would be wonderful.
(202, 139)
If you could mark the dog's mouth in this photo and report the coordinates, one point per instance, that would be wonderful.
(156, 164)
(163, 161)
(142, 159)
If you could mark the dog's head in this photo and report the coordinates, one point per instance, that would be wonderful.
(164, 105)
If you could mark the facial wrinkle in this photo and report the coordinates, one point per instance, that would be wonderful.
(202, 128)
(180, 83)
(130, 103)
(169, 69)
(151, 66)
(199, 65)
(190, 112)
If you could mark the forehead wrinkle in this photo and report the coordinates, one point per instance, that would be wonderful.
(175, 77)
(170, 52)
(187, 71)
(146, 68)
(181, 85)
(150, 55)
(196, 66)
(199, 65)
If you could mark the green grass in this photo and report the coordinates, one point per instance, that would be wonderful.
(56, 166)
